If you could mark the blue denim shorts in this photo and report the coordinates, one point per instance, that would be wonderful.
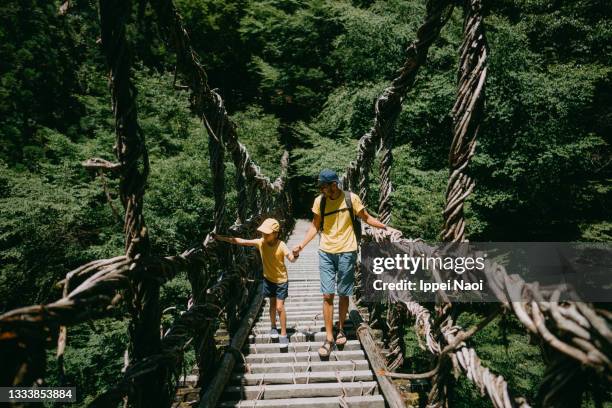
(337, 271)
(275, 290)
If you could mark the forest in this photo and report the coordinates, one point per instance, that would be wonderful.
(300, 75)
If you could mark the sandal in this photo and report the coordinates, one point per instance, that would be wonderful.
(340, 338)
(325, 349)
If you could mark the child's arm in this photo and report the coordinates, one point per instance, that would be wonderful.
(236, 241)
(289, 254)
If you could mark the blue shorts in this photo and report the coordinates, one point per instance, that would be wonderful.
(337, 271)
(275, 290)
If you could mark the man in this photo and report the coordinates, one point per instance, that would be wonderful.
(337, 251)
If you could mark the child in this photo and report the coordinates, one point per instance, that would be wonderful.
(276, 283)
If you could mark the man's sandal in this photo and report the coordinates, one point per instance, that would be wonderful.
(340, 338)
(325, 349)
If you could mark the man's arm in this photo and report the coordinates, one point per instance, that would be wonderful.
(371, 221)
(310, 234)
(236, 241)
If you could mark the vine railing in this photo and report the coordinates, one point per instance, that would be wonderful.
(574, 336)
(223, 281)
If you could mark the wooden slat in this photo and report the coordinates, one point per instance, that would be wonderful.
(283, 391)
(298, 346)
(303, 356)
(314, 366)
(375, 401)
(266, 323)
(300, 336)
(303, 377)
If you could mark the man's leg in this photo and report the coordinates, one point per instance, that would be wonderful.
(328, 314)
(327, 270)
(346, 282)
(343, 304)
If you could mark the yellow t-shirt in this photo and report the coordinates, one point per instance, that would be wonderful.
(338, 235)
(273, 259)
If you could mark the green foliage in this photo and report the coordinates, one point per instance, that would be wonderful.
(319, 152)
(347, 113)
(545, 180)
(597, 231)
(290, 43)
(94, 356)
(214, 30)
(259, 132)
(176, 292)
(370, 47)
(425, 121)
(178, 202)
(179, 208)
(35, 214)
(418, 196)
(36, 73)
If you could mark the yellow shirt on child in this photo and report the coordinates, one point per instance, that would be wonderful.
(273, 259)
(338, 235)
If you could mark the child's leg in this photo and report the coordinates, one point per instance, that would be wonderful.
(273, 312)
(282, 315)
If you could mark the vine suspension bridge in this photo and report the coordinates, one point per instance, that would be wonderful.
(248, 369)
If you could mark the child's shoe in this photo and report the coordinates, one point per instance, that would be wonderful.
(284, 342)
(273, 333)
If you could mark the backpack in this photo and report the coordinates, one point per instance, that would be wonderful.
(349, 206)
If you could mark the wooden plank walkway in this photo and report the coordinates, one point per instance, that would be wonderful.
(296, 376)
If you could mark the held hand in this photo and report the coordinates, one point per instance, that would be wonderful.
(296, 250)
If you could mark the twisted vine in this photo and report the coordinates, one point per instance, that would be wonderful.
(134, 168)
(467, 115)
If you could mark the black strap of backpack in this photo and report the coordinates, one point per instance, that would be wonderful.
(322, 211)
(349, 207)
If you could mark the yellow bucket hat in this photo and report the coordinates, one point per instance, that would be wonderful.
(269, 226)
